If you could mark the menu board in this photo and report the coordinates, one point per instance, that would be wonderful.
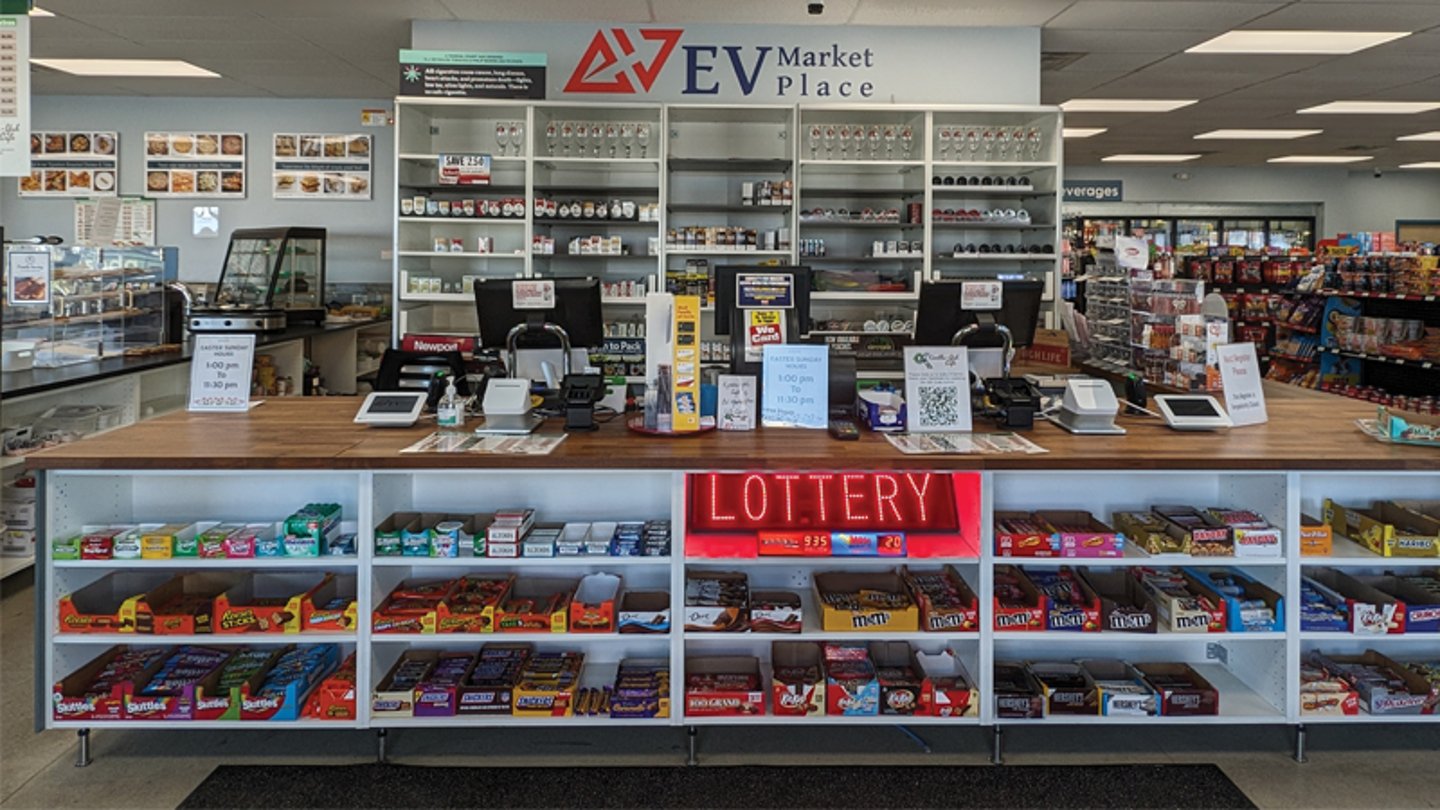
(118, 222)
(195, 164)
(73, 164)
(325, 166)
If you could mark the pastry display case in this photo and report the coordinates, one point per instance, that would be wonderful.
(272, 277)
(100, 302)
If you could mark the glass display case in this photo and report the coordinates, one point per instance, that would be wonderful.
(272, 277)
(100, 302)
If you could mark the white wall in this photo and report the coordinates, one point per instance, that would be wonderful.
(358, 231)
(1348, 200)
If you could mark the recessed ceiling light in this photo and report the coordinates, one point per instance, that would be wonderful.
(1083, 132)
(1429, 164)
(1433, 135)
(1256, 134)
(1374, 107)
(1320, 159)
(40, 12)
(1136, 158)
(126, 67)
(1296, 41)
(1123, 105)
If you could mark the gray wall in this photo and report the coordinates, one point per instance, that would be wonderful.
(1349, 200)
(358, 231)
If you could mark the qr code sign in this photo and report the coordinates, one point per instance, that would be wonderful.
(937, 405)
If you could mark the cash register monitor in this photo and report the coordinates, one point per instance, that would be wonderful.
(728, 315)
(577, 311)
(939, 315)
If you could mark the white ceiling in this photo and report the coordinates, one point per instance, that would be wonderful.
(1126, 48)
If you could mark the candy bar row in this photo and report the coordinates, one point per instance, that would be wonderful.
(1369, 683)
(1214, 532)
(1106, 687)
(219, 602)
(511, 533)
(511, 604)
(210, 683)
(811, 679)
(518, 681)
(311, 531)
(1389, 528)
(1376, 604)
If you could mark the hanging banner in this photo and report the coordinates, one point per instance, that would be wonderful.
(462, 74)
(715, 64)
(14, 95)
(330, 166)
(72, 164)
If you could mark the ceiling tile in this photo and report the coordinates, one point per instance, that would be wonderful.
(774, 13)
(1173, 15)
(1097, 40)
(178, 27)
(1369, 15)
(972, 13)
(617, 11)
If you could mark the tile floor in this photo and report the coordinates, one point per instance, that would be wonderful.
(1349, 768)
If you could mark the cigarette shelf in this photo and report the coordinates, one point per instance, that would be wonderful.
(455, 254)
(703, 208)
(491, 221)
(440, 298)
(989, 191)
(735, 164)
(977, 225)
(998, 257)
(859, 193)
(596, 223)
(722, 252)
(993, 166)
(836, 224)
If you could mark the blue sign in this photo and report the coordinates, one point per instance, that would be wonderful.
(796, 388)
(1094, 190)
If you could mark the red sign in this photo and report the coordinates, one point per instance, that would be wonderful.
(600, 57)
(728, 502)
(437, 343)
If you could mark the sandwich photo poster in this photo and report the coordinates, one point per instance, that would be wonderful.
(321, 166)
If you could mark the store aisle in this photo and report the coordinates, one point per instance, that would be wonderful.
(1349, 768)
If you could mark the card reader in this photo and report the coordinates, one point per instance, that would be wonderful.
(391, 408)
(1191, 412)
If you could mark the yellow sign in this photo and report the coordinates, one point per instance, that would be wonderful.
(685, 369)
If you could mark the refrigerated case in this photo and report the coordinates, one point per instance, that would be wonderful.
(102, 301)
(275, 268)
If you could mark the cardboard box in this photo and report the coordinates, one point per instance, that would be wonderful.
(902, 682)
(411, 607)
(1251, 591)
(1183, 691)
(109, 604)
(1206, 536)
(1066, 687)
(949, 689)
(465, 605)
(490, 686)
(72, 699)
(389, 535)
(438, 694)
(269, 602)
(1017, 694)
(1323, 692)
(896, 614)
(1378, 698)
(1417, 596)
(797, 684)
(776, 612)
(508, 527)
(287, 703)
(1176, 596)
(642, 688)
(852, 687)
(536, 605)
(723, 686)
(881, 411)
(644, 612)
(1147, 531)
(1321, 608)
(334, 697)
(1120, 689)
(215, 703)
(184, 604)
(1039, 542)
(1017, 604)
(946, 602)
(1386, 528)
(1408, 428)
(1370, 611)
(163, 541)
(716, 601)
(1316, 537)
(178, 701)
(390, 700)
(1078, 534)
(1070, 603)
(592, 610)
(1254, 536)
(1125, 606)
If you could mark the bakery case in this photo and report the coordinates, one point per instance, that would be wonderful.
(276, 274)
(101, 302)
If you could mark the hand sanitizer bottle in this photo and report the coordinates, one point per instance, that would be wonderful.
(449, 411)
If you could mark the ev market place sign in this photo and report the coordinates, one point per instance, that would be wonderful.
(761, 64)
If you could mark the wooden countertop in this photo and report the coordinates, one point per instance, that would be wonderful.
(318, 434)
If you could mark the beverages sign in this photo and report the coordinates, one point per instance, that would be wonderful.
(781, 64)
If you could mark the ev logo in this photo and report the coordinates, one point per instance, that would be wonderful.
(601, 57)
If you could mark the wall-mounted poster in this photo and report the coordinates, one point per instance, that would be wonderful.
(73, 164)
(195, 164)
(322, 166)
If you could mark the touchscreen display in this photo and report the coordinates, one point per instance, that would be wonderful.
(1191, 407)
(391, 404)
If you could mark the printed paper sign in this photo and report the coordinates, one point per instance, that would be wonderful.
(532, 294)
(464, 170)
(1244, 393)
(327, 166)
(764, 291)
(14, 95)
(220, 372)
(981, 296)
(195, 164)
(72, 164)
(30, 274)
(134, 224)
(937, 389)
(796, 386)
(763, 327)
(735, 409)
(1132, 254)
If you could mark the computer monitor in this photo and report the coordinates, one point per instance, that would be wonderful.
(577, 311)
(730, 319)
(940, 316)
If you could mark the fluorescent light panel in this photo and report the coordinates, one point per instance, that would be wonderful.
(1124, 105)
(1256, 134)
(1433, 135)
(1083, 132)
(1299, 42)
(1320, 159)
(126, 67)
(1429, 164)
(1157, 158)
(1374, 107)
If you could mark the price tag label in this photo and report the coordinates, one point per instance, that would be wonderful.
(464, 170)
(220, 373)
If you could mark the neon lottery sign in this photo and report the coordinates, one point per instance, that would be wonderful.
(728, 502)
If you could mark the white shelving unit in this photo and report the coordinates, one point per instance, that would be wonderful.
(1257, 674)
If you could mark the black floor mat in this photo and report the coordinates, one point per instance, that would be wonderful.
(396, 786)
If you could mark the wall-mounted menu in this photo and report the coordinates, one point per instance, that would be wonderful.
(322, 166)
(191, 164)
(72, 164)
